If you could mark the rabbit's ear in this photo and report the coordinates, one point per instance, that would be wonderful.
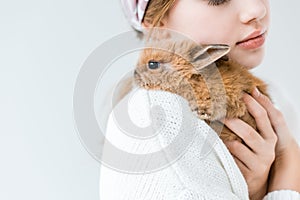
(156, 34)
(206, 55)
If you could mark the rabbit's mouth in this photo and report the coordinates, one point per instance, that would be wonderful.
(138, 80)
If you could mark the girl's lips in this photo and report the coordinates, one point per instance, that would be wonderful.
(253, 43)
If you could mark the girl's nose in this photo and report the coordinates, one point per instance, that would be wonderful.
(253, 10)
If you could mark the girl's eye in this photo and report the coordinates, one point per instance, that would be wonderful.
(153, 64)
(217, 2)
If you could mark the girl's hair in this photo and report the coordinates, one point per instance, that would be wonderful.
(156, 11)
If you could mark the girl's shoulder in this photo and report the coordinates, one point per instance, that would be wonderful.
(196, 156)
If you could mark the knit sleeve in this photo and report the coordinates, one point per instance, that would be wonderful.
(198, 164)
(282, 194)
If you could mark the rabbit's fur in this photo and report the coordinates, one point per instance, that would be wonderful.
(183, 68)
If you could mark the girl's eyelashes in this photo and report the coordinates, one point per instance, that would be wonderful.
(217, 2)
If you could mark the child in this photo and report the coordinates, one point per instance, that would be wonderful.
(243, 25)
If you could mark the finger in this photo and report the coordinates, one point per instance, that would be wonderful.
(240, 151)
(243, 168)
(246, 132)
(261, 117)
(275, 116)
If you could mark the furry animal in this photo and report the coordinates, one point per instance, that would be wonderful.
(211, 83)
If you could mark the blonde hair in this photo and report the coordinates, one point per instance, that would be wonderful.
(156, 11)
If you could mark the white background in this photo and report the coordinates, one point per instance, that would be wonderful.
(42, 47)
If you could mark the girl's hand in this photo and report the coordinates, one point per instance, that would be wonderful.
(256, 157)
(285, 173)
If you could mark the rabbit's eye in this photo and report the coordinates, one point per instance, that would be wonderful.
(153, 64)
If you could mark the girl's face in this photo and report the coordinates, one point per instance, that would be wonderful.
(241, 24)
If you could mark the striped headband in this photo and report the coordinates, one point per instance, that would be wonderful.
(134, 11)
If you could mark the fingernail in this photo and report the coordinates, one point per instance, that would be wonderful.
(225, 121)
(222, 120)
(227, 143)
(228, 120)
(256, 92)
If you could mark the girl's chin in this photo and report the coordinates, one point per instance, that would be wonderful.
(252, 62)
(249, 64)
(249, 60)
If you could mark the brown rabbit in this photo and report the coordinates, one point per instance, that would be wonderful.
(211, 83)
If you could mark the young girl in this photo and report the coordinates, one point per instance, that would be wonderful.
(243, 25)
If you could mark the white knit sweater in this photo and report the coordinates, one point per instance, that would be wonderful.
(192, 176)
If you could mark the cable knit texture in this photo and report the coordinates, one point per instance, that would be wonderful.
(205, 170)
